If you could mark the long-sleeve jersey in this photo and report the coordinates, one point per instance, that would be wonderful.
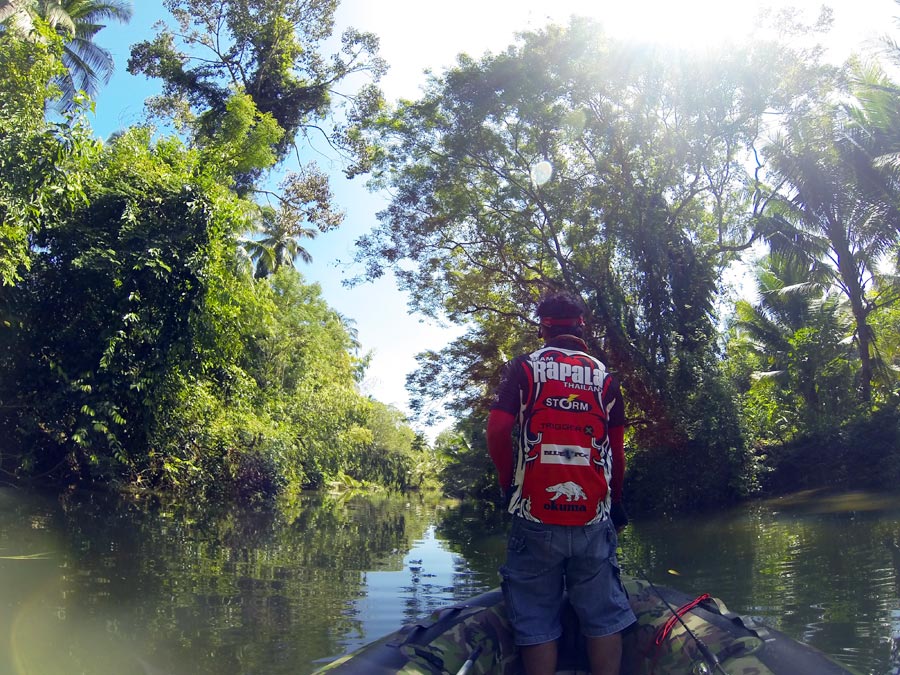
(567, 471)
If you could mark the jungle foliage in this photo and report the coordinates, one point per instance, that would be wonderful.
(138, 347)
(155, 332)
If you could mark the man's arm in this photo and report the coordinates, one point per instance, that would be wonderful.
(500, 446)
(617, 445)
(617, 479)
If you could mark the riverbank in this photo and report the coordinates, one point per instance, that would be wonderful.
(863, 454)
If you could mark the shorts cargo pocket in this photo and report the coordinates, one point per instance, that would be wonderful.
(617, 573)
(613, 541)
(516, 542)
(511, 613)
(529, 549)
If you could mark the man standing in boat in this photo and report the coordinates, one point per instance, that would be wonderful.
(563, 483)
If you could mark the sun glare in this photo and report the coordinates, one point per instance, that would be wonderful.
(417, 36)
(686, 24)
(712, 24)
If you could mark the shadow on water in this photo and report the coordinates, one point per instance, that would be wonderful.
(98, 585)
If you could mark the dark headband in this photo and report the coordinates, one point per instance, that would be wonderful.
(569, 321)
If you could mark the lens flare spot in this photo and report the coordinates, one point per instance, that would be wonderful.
(541, 172)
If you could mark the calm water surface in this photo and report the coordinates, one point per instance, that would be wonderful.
(94, 585)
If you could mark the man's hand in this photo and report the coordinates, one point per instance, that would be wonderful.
(618, 515)
(506, 497)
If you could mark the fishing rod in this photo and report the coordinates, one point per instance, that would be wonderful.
(470, 662)
(705, 651)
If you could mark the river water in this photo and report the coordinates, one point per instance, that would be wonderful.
(89, 584)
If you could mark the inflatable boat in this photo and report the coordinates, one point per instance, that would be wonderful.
(674, 634)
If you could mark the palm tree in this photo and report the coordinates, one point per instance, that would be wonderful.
(874, 132)
(18, 11)
(835, 217)
(349, 326)
(279, 245)
(792, 312)
(88, 65)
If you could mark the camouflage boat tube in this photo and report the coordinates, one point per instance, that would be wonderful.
(475, 638)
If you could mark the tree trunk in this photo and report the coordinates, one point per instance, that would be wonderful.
(850, 280)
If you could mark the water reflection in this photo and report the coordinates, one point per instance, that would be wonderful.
(95, 585)
(814, 566)
(122, 587)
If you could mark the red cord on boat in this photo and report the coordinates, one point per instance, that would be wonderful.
(663, 632)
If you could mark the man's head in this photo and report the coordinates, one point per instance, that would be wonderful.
(561, 313)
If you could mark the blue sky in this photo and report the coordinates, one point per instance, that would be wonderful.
(416, 36)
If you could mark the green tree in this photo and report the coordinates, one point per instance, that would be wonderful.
(833, 209)
(88, 65)
(886, 323)
(385, 454)
(302, 356)
(874, 131)
(27, 183)
(305, 199)
(796, 336)
(571, 160)
(466, 470)
(279, 245)
(116, 285)
(269, 50)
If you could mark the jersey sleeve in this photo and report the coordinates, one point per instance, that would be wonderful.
(617, 412)
(507, 397)
(616, 437)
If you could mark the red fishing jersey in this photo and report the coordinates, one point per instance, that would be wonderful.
(565, 401)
